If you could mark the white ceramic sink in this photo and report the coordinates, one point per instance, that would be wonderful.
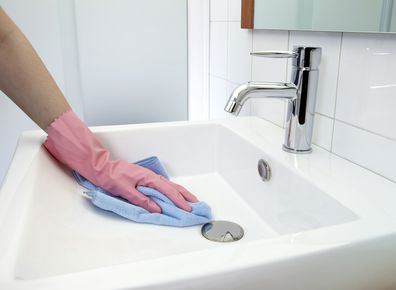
(315, 208)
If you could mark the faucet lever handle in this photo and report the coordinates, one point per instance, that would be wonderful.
(275, 54)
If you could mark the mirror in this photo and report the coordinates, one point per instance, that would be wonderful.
(321, 15)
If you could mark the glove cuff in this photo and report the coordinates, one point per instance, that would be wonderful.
(73, 144)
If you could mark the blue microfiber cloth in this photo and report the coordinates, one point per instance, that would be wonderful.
(171, 215)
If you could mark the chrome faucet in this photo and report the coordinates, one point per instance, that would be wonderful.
(300, 94)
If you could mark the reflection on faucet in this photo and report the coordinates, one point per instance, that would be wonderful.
(271, 90)
(300, 94)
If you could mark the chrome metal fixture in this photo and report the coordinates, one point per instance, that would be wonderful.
(300, 94)
(264, 170)
(222, 231)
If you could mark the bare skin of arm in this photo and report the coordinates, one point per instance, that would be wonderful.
(25, 79)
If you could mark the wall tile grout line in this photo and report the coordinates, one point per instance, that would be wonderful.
(323, 115)
(227, 51)
(366, 130)
(218, 77)
(321, 147)
(356, 127)
(220, 21)
(288, 68)
(362, 166)
(268, 120)
(251, 69)
(210, 58)
(225, 21)
(286, 75)
(336, 92)
(207, 61)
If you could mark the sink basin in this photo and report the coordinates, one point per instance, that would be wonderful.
(313, 208)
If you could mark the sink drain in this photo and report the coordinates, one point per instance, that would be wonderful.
(264, 170)
(222, 231)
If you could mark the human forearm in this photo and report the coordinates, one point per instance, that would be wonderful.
(24, 78)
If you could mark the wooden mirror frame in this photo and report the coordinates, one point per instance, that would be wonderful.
(247, 12)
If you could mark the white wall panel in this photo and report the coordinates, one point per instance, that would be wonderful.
(133, 60)
(38, 20)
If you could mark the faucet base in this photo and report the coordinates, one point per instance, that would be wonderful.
(295, 151)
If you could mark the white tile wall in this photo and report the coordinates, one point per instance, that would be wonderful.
(239, 47)
(323, 131)
(218, 49)
(218, 91)
(234, 10)
(367, 149)
(367, 84)
(218, 10)
(356, 117)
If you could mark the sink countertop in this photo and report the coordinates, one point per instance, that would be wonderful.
(371, 197)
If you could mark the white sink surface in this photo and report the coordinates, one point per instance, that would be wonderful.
(313, 204)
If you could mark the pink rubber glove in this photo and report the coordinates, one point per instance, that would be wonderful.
(72, 143)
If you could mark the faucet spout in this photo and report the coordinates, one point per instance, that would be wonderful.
(248, 90)
(300, 94)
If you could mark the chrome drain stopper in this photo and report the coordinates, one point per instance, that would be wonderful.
(222, 231)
